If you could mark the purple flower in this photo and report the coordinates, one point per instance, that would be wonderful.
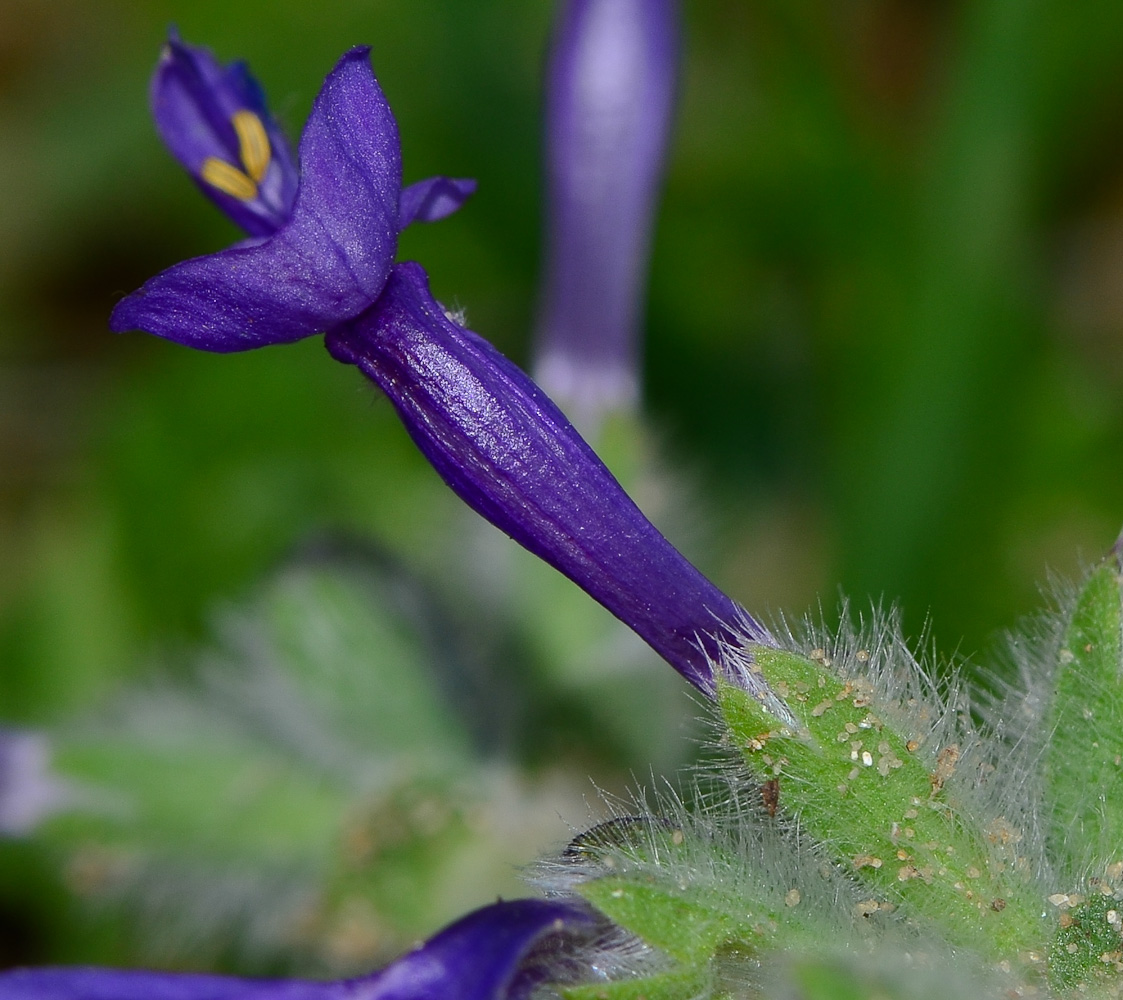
(490, 432)
(610, 98)
(317, 260)
(500, 952)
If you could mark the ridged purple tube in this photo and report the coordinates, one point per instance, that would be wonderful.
(512, 456)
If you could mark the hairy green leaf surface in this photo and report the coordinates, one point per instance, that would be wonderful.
(859, 779)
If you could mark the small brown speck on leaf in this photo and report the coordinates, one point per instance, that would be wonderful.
(770, 795)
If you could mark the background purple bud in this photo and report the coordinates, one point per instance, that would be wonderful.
(610, 96)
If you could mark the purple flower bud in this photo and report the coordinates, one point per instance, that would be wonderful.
(500, 952)
(509, 453)
(610, 96)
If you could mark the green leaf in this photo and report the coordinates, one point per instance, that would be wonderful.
(1089, 945)
(203, 789)
(1083, 760)
(855, 771)
(305, 797)
(669, 986)
(704, 897)
(890, 972)
(683, 923)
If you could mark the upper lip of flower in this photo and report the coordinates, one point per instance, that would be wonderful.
(215, 122)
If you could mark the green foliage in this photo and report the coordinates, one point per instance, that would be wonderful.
(688, 925)
(859, 829)
(862, 781)
(712, 900)
(826, 974)
(1082, 766)
(668, 986)
(313, 796)
(1088, 949)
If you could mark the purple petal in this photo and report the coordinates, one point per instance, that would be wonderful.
(326, 265)
(609, 104)
(510, 454)
(125, 984)
(500, 952)
(194, 100)
(433, 198)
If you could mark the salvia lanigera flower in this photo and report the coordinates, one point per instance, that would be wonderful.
(322, 259)
(500, 952)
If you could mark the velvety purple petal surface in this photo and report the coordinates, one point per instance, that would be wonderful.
(194, 100)
(433, 198)
(610, 98)
(326, 265)
(510, 454)
(499, 952)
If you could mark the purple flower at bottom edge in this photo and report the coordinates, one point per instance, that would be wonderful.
(500, 952)
(491, 433)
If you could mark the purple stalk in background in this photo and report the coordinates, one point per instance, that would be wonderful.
(609, 102)
(491, 433)
(500, 952)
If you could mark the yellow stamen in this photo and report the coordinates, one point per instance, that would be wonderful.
(229, 180)
(253, 143)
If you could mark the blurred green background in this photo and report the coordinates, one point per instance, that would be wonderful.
(885, 351)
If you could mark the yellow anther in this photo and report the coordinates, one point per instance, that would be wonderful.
(229, 180)
(253, 143)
